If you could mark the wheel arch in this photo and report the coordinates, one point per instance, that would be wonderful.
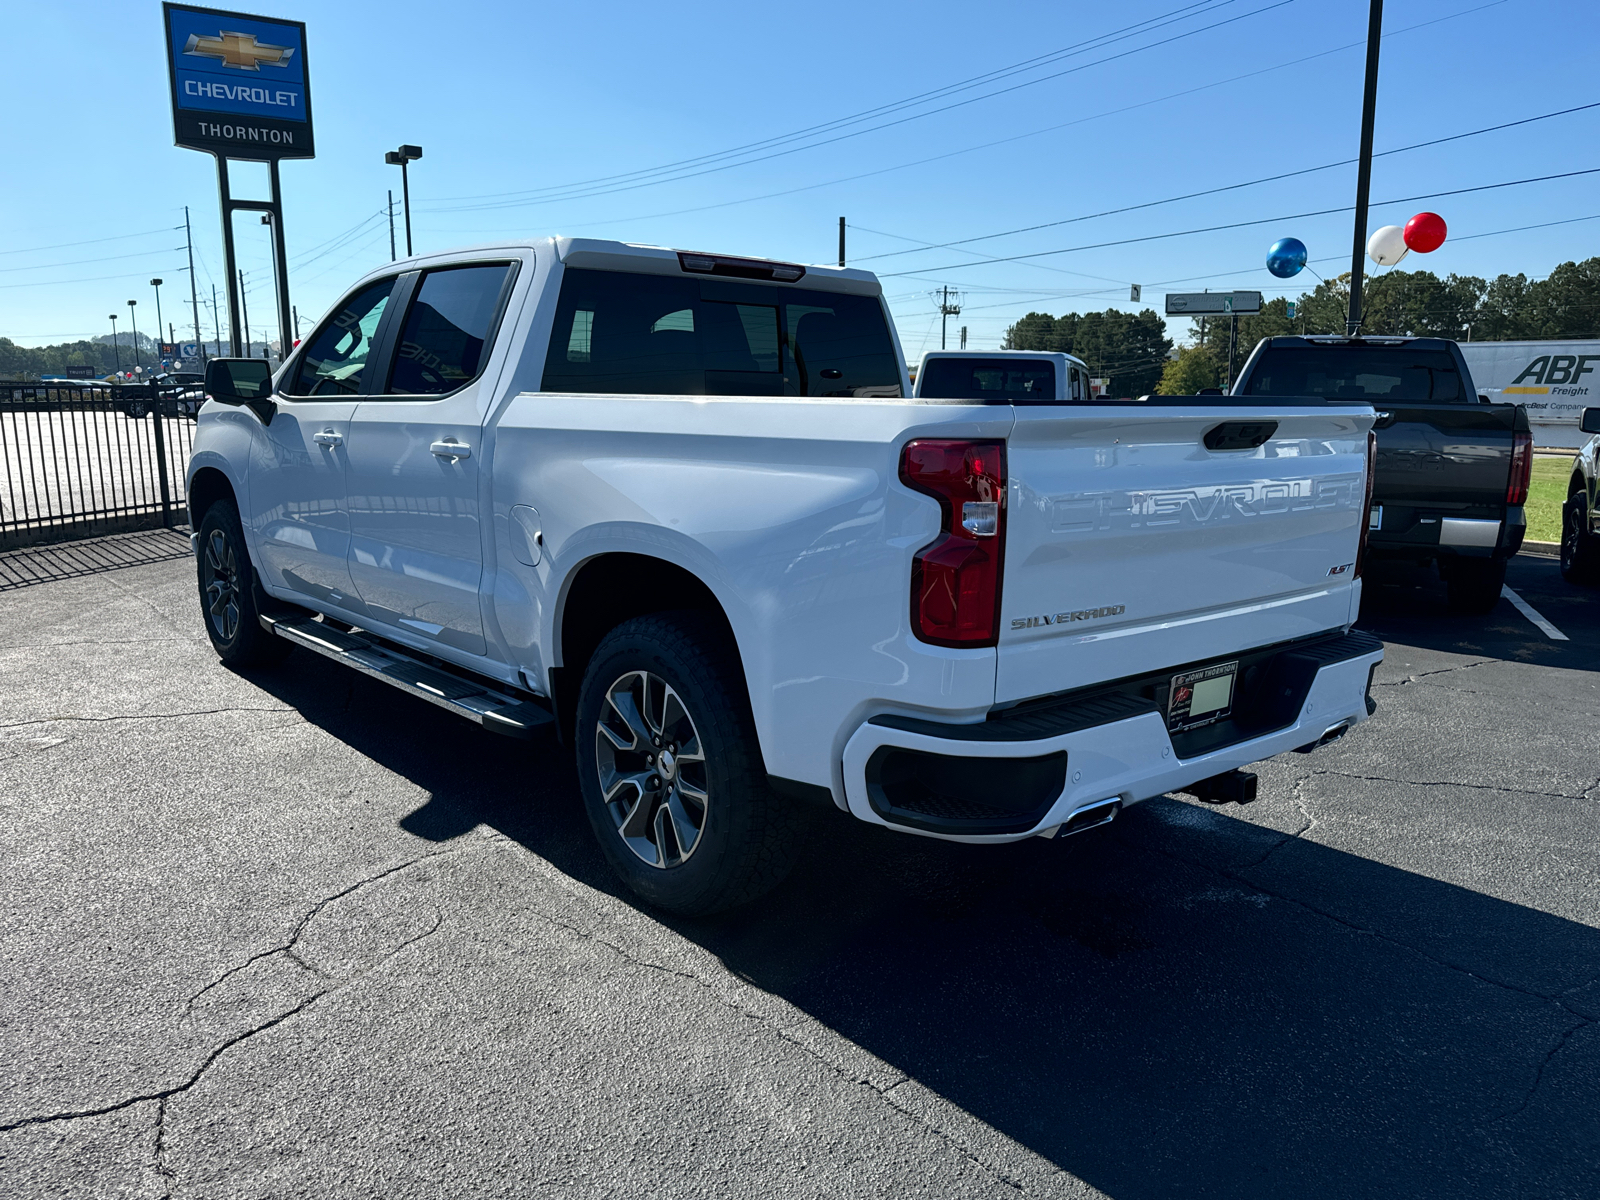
(206, 486)
(607, 590)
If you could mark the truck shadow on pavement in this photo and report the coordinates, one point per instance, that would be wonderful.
(1179, 1004)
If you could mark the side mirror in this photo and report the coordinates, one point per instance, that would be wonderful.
(242, 382)
(1590, 421)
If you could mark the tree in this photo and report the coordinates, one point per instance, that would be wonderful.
(1128, 348)
(1195, 367)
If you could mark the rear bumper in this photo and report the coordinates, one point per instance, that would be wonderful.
(1018, 775)
(1408, 533)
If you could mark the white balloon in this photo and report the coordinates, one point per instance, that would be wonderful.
(1387, 246)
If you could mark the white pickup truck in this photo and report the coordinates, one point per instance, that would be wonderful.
(678, 505)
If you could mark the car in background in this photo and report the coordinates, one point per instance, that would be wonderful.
(1002, 377)
(1453, 468)
(1580, 515)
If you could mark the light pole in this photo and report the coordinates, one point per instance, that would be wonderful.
(399, 158)
(116, 355)
(156, 283)
(134, 320)
(244, 302)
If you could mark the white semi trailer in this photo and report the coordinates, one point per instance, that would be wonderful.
(1555, 381)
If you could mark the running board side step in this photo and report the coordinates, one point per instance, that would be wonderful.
(496, 711)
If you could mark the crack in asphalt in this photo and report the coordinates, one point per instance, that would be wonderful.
(204, 712)
(288, 947)
(164, 1094)
(1479, 787)
(883, 1093)
(1538, 1074)
(1421, 675)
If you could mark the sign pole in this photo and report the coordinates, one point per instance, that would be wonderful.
(230, 266)
(282, 261)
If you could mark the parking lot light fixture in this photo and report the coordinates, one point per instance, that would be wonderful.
(134, 321)
(116, 355)
(400, 158)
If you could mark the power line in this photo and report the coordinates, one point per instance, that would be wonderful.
(681, 175)
(1322, 212)
(78, 262)
(91, 279)
(853, 118)
(121, 237)
(1229, 187)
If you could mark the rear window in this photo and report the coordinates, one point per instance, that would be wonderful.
(990, 380)
(1357, 373)
(661, 335)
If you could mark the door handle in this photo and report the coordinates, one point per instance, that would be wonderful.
(328, 438)
(451, 449)
(1385, 419)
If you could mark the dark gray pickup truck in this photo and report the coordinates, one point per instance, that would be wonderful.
(1453, 469)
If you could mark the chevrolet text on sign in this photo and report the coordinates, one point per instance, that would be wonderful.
(240, 87)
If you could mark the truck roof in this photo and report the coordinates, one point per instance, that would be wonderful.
(603, 254)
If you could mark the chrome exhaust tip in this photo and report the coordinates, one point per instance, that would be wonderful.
(1090, 816)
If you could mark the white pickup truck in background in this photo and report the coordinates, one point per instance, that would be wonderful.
(676, 504)
(1003, 377)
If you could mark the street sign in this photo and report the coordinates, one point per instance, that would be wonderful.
(240, 86)
(1212, 304)
(1293, 306)
(1134, 291)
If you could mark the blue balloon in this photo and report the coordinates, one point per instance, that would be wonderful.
(1286, 257)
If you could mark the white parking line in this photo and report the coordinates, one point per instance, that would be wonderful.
(1532, 613)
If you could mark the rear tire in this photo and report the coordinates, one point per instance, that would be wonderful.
(671, 770)
(230, 597)
(1475, 583)
(1580, 556)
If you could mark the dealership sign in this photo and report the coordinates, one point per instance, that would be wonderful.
(240, 86)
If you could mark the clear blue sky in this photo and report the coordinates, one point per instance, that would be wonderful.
(507, 99)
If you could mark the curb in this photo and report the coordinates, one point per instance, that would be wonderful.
(1541, 549)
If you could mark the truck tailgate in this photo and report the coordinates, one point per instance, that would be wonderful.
(1131, 547)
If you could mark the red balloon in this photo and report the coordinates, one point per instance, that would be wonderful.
(1425, 232)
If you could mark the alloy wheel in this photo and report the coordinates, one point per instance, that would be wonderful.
(652, 769)
(222, 586)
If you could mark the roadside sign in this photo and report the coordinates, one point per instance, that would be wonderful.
(1212, 304)
(80, 372)
(189, 350)
(1293, 306)
(1134, 291)
(240, 87)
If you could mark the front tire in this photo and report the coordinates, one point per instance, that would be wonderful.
(671, 772)
(1580, 557)
(1475, 584)
(230, 598)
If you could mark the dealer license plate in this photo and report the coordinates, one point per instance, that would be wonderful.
(1201, 697)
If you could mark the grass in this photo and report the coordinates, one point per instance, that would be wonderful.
(1546, 494)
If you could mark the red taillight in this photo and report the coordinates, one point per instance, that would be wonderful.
(955, 579)
(1366, 507)
(1521, 468)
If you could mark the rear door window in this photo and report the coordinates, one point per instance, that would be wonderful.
(335, 358)
(448, 328)
(1373, 373)
(991, 380)
(664, 335)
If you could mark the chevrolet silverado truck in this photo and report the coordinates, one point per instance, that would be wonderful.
(681, 507)
(1453, 469)
(1003, 377)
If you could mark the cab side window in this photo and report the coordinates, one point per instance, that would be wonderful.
(335, 358)
(1077, 385)
(445, 340)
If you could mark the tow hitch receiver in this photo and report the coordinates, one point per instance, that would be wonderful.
(1235, 787)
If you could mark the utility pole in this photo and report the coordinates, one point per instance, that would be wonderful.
(216, 319)
(1369, 105)
(244, 305)
(392, 254)
(194, 291)
(963, 337)
(841, 241)
(296, 314)
(947, 308)
(116, 354)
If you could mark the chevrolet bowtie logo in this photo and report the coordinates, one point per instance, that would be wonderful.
(238, 50)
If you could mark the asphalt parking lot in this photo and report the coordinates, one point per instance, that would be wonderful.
(295, 933)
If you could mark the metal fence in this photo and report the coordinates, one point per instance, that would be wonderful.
(77, 461)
